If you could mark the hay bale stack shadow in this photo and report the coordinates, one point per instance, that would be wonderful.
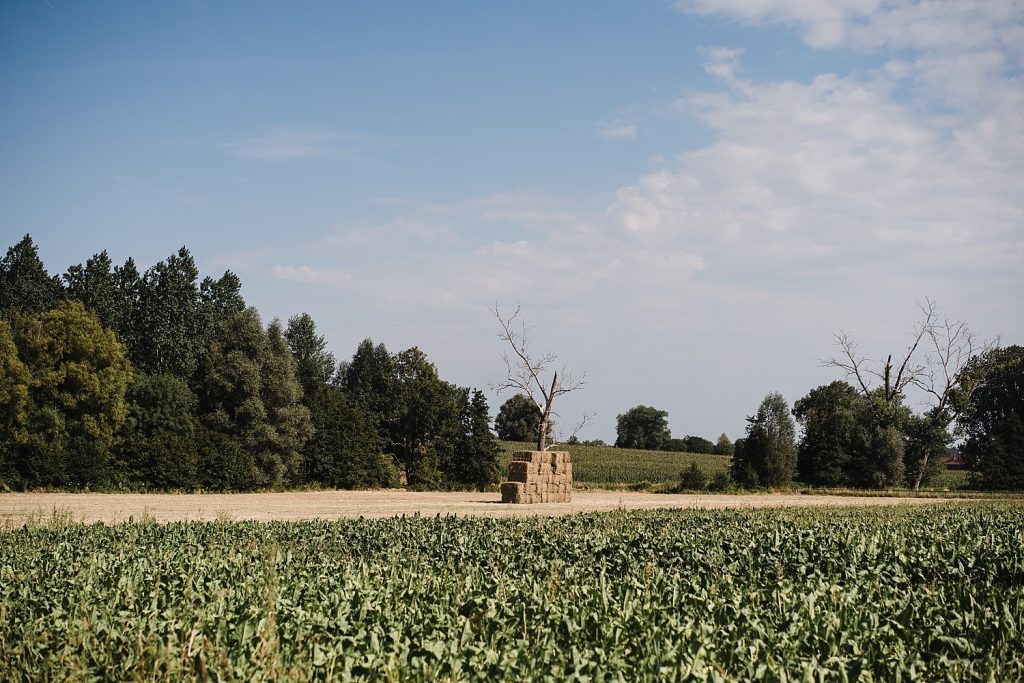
(538, 477)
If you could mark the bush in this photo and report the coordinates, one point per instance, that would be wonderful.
(693, 479)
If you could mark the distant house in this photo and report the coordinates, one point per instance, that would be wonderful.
(954, 462)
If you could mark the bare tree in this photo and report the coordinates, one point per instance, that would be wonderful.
(946, 346)
(527, 373)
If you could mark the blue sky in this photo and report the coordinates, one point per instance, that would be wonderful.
(688, 199)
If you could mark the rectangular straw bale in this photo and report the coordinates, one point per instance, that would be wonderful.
(512, 492)
(529, 456)
(520, 471)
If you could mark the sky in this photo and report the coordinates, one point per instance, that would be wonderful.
(687, 199)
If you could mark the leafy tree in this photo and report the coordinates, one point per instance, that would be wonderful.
(249, 393)
(95, 285)
(518, 419)
(288, 422)
(169, 334)
(697, 444)
(879, 444)
(369, 378)
(991, 418)
(14, 387)
(127, 313)
(24, 283)
(473, 457)
(674, 446)
(314, 362)
(947, 347)
(767, 456)
(829, 416)
(417, 427)
(642, 427)
(159, 448)
(76, 396)
(220, 298)
(723, 446)
(223, 463)
(693, 479)
(345, 450)
(924, 439)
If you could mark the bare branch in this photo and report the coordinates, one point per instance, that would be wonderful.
(583, 422)
(525, 372)
(852, 362)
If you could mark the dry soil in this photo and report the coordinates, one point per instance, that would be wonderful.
(18, 508)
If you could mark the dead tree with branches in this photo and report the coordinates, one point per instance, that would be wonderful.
(935, 362)
(527, 373)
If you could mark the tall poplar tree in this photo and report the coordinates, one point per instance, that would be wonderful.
(24, 283)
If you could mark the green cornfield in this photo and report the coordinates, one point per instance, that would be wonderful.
(924, 593)
(603, 465)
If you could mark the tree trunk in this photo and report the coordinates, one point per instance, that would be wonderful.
(920, 472)
(542, 434)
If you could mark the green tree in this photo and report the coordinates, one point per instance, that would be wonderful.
(472, 457)
(220, 298)
(878, 458)
(95, 285)
(417, 428)
(926, 439)
(369, 378)
(767, 456)
(314, 362)
(698, 444)
(642, 427)
(159, 447)
(169, 334)
(723, 446)
(24, 283)
(518, 419)
(249, 393)
(345, 450)
(991, 418)
(127, 313)
(693, 479)
(829, 416)
(76, 396)
(14, 387)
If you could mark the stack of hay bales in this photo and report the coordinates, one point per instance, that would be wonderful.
(538, 477)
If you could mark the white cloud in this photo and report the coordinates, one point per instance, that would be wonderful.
(957, 25)
(331, 277)
(833, 201)
(293, 142)
(615, 130)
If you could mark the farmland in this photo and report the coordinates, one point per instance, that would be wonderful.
(604, 465)
(930, 592)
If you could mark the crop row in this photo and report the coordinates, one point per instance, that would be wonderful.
(607, 465)
(932, 593)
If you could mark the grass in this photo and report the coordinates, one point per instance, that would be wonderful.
(659, 471)
(606, 466)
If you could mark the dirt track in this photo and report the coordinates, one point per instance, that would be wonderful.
(16, 508)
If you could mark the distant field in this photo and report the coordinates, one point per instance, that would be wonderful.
(602, 465)
(608, 466)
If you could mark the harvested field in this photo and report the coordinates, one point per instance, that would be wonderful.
(18, 508)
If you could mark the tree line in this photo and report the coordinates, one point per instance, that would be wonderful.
(864, 434)
(114, 378)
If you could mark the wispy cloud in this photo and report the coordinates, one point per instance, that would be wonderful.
(176, 194)
(616, 130)
(330, 277)
(294, 142)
